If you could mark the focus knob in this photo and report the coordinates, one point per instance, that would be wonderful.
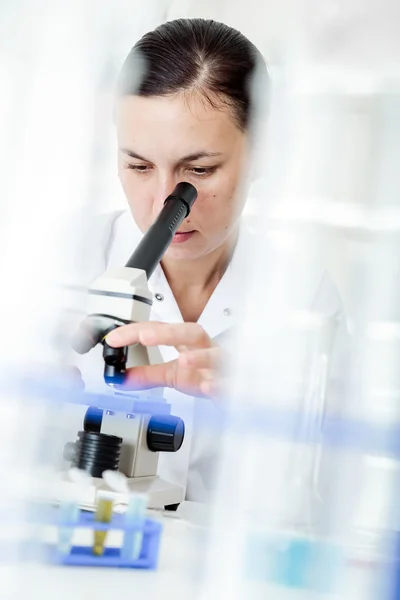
(165, 433)
(93, 419)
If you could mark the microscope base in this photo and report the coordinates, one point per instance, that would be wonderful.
(162, 495)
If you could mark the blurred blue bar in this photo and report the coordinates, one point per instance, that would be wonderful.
(56, 391)
(274, 422)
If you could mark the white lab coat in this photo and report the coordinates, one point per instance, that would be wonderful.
(112, 241)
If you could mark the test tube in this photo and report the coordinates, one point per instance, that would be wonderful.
(70, 507)
(69, 514)
(135, 516)
(103, 514)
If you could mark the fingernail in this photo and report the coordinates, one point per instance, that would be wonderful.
(113, 338)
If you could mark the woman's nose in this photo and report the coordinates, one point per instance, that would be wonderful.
(164, 187)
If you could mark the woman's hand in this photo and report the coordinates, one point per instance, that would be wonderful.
(195, 371)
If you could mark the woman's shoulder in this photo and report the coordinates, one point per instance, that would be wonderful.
(105, 226)
(95, 241)
(124, 236)
(114, 236)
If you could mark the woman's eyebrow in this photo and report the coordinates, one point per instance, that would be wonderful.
(198, 155)
(133, 154)
(184, 159)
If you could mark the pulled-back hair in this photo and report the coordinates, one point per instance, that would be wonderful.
(189, 55)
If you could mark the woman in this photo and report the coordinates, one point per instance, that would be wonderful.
(187, 120)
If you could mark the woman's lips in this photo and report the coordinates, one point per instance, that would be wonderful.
(181, 237)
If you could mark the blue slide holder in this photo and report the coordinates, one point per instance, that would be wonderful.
(84, 556)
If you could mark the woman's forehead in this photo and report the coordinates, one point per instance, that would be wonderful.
(175, 120)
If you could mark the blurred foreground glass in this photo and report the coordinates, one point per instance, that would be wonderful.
(58, 64)
(307, 483)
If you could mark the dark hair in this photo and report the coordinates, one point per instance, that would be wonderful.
(195, 54)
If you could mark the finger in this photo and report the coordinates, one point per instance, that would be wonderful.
(150, 376)
(127, 335)
(187, 335)
(170, 374)
(201, 359)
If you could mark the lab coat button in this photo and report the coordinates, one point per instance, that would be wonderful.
(159, 297)
(227, 312)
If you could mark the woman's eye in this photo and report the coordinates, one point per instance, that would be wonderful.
(139, 168)
(202, 171)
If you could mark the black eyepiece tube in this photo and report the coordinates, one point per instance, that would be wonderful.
(157, 239)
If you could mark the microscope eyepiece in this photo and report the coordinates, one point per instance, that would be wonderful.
(185, 192)
(157, 239)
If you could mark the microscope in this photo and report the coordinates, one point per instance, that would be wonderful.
(130, 439)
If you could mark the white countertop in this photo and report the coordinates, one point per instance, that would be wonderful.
(177, 577)
(171, 580)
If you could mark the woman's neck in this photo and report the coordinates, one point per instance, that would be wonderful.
(202, 271)
(194, 282)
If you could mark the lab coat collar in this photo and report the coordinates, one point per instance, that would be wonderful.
(222, 310)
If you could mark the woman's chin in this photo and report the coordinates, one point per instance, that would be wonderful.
(185, 250)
